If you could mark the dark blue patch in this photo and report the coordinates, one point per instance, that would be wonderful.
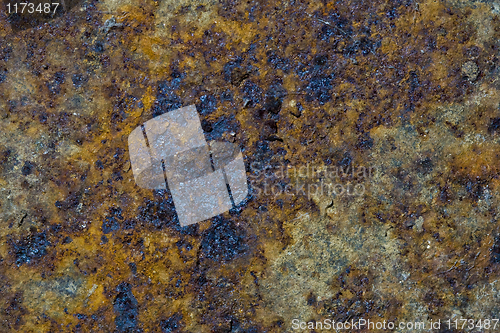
(27, 168)
(277, 62)
(252, 93)
(327, 32)
(81, 316)
(111, 222)
(129, 224)
(54, 85)
(133, 268)
(274, 99)
(319, 89)
(425, 166)
(71, 201)
(99, 165)
(337, 26)
(167, 98)
(320, 60)
(225, 124)
(207, 105)
(494, 126)
(126, 308)
(495, 251)
(99, 47)
(159, 212)
(78, 80)
(226, 96)
(163, 105)
(262, 154)
(223, 240)
(392, 13)
(365, 141)
(345, 161)
(172, 324)
(364, 44)
(414, 82)
(6, 53)
(206, 126)
(59, 77)
(229, 67)
(31, 248)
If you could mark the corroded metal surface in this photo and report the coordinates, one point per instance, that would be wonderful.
(406, 93)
